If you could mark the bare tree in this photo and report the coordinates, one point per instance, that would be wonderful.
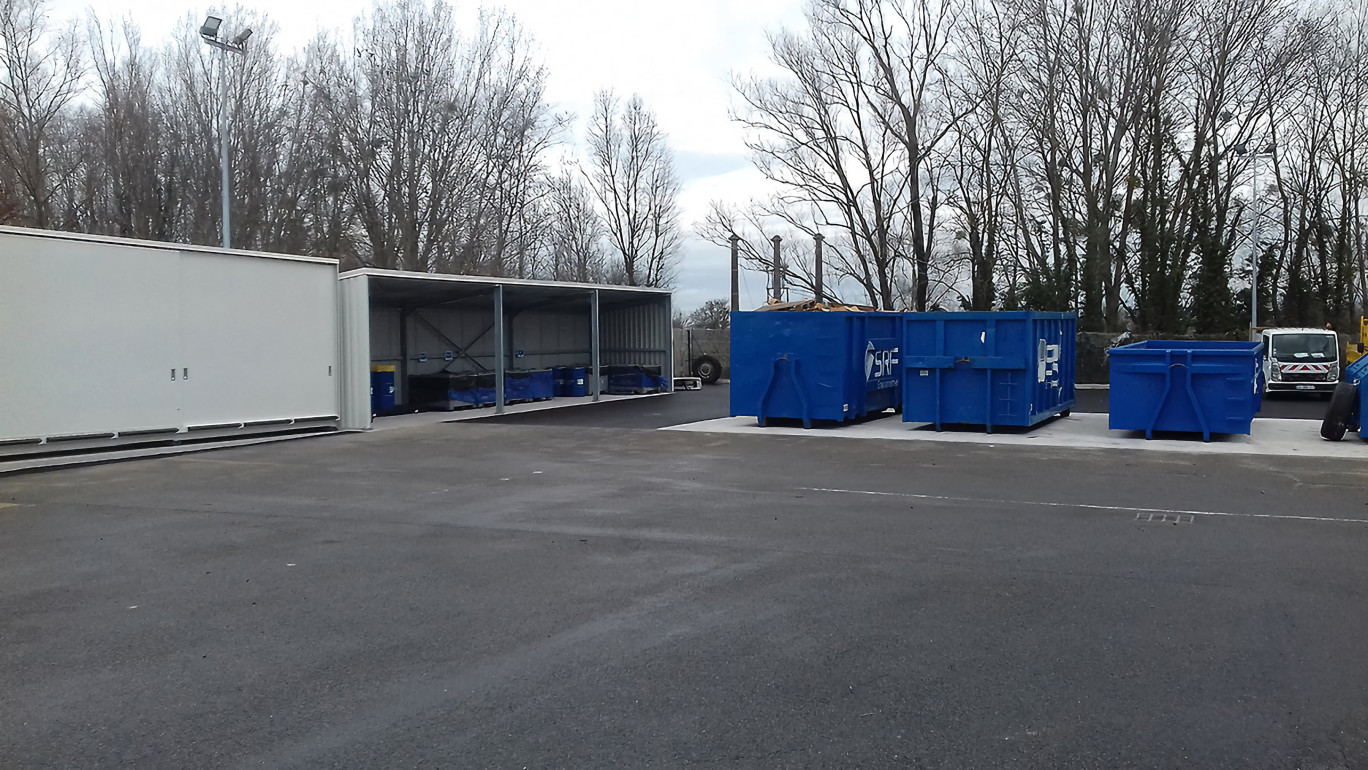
(576, 231)
(907, 48)
(631, 173)
(40, 75)
(713, 314)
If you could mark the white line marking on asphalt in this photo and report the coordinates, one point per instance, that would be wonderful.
(1118, 508)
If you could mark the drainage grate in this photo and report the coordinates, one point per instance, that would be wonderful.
(1164, 518)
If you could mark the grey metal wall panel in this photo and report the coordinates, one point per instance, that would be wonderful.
(638, 334)
(467, 332)
(549, 338)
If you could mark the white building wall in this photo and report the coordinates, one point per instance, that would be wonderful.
(101, 337)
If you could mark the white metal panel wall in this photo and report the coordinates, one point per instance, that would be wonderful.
(88, 338)
(355, 326)
(105, 337)
(259, 339)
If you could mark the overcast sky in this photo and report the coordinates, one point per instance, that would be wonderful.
(678, 56)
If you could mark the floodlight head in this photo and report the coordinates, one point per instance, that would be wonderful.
(241, 37)
(211, 27)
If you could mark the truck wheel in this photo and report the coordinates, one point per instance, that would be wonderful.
(707, 369)
(1337, 415)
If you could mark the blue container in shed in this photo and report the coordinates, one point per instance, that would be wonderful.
(1188, 386)
(576, 381)
(558, 375)
(628, 379)
(989, 369)
(528, 385)
(837, 365)
(382, 388)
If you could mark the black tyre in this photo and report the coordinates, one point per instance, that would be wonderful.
(1337, 415)
(707, 369)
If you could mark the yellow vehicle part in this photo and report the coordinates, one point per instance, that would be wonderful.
(1355, 352)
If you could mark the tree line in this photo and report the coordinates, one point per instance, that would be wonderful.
(410, 144)
(1068, 154)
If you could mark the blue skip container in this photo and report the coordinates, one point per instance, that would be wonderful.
(1343, 414)
(576, 381)
(528, 385)
(1187, 386)
(382, 388)
(990, 369)
(836, 365)
(629, 379)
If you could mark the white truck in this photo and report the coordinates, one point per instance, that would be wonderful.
(1300, 360)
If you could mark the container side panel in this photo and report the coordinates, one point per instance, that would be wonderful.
(1185, 386)
(88, 337)
(987, 368)
(823, 366)
(260, 339)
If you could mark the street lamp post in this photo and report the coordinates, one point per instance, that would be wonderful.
(209, 33)
(1266, 152)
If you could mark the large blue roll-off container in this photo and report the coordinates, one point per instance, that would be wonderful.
(1187, 386)
(989, 369)
(835, 365)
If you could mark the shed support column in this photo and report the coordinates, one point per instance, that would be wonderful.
(401, 379)
(594, 340)
(499, 345)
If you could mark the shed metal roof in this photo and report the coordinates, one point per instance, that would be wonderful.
(109, 240)
(412, 289)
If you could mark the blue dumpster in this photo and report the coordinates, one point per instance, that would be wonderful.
(382, 388)
(1348, 404)
(465, 389)
(570, 381)
(629, 379)
(442, 391)
(838, 365)
(528, 385)
(989, 369)
(576, 381)
(1187, 386)
(1357, 373)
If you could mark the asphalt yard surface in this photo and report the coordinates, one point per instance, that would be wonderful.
(516, 594)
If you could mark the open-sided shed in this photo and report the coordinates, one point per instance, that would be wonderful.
(425, 323)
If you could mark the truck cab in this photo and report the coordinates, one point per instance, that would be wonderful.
(1300, 360)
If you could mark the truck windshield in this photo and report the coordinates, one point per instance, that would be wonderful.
(1308, 347)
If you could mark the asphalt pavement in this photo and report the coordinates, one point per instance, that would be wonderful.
(521, 595)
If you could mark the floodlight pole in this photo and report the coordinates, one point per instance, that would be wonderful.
(238, 45)
(223, 154)
(1254, 157)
